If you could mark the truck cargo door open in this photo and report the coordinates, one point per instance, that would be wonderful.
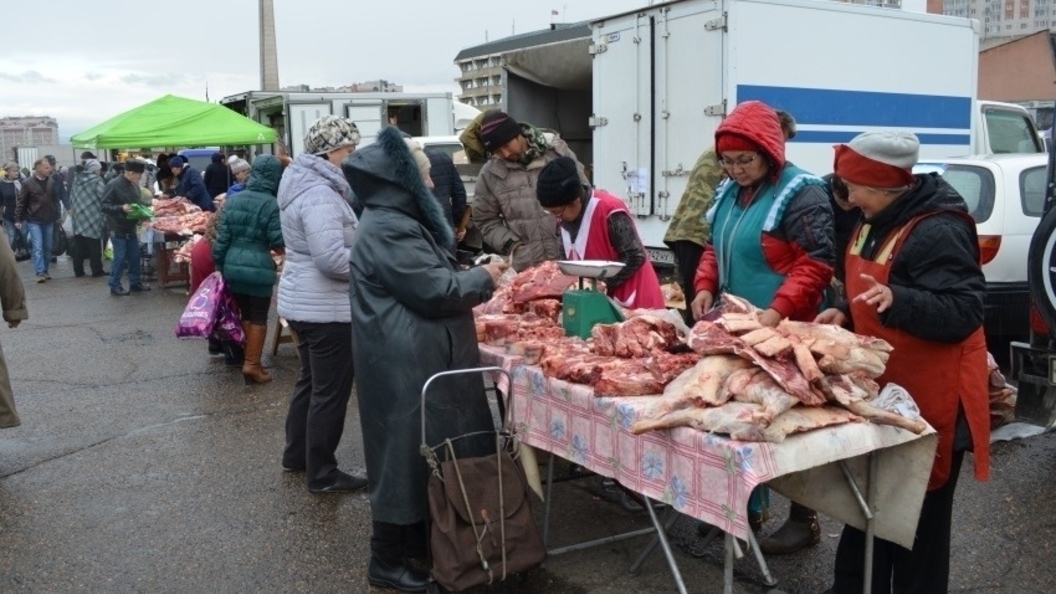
(549, 86)
(368, 116)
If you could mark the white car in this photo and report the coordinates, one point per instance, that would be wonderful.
(1005, 195)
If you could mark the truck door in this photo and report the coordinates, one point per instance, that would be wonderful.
(1009, 129)
(300, 117)
(368, 116)
(658, 97)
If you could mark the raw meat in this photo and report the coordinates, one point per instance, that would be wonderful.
(732, 417)
(637, 337)
(842, 391)
(545, 281)
(702, 384)
(708, 338)
(840, 351)
(755, 386)
(806, 418)
(546, 308)
(736, 323)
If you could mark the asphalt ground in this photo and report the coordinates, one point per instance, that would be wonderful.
(144, 465)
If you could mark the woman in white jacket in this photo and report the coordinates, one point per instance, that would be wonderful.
(318, 226)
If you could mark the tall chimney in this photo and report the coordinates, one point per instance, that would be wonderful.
(269, 58)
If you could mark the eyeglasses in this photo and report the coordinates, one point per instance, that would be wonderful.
(742, 162)
(557, 211)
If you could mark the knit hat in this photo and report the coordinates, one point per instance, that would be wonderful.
(559, 183)
(239, 165)
(883, 159)
(420, 159)
(135, 166)
(177, 161)
(330, 133)
(497, 129)
(735, 142)
(93, 166)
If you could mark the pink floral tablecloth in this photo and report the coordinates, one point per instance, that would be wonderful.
(706, 476)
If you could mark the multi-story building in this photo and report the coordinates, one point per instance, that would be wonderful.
(481, 65)
(1005, 18)
(26, 132)
(372, 86)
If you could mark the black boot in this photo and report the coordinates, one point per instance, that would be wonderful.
(234, 355)
(215, 346)
(388, 569)
(799, 532)
(416, 541)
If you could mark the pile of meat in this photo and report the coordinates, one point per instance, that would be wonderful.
(1002, 396)
(538, 289)
(187, 224)
(164, 207)
(756, 383)
(183, 253)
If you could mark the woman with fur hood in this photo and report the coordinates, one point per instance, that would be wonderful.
(411, 318)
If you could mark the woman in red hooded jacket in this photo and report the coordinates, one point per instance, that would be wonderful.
(772, 244)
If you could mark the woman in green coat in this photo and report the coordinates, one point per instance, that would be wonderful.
(248, 232)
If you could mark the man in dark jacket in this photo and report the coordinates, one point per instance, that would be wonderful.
(217, 176)
(118, 197)
(447, 186)
(189, 183)
(410, 302)
(10, 186)
(38, 209)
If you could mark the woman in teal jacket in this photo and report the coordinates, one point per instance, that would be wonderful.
(248, 232)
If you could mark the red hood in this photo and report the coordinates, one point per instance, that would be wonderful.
(757, 122)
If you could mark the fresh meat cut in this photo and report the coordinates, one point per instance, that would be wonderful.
(545, 281)
(702, 384)
(840, 351)
(806, 418)
(545, 308)
(707, 338)
(570, 360)
(757, 387)
(733, 417)
(842, 391)
(637, 337)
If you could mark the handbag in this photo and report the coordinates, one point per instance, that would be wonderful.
(481, 516)
(60, 242)
(21, 248)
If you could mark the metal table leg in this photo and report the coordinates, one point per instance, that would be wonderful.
(549, 499)
(662, 536)
(672, 516)
(870, 525)
(727, 565)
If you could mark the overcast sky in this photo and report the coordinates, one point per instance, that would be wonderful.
(83, 63)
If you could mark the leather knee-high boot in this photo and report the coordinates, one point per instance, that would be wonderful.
(251, 368)
(388, 567)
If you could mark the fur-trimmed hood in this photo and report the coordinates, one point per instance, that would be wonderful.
(385, 176)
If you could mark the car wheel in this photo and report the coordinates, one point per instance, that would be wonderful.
(1041, 268)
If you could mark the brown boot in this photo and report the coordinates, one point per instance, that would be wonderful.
(799, 532)
(251, 369)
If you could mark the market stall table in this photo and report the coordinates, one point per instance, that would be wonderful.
(709, 476)
(170, 271)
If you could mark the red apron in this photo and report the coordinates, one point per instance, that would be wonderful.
(940, 376)
(592, 242)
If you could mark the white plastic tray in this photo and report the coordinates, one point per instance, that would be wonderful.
(590, 268)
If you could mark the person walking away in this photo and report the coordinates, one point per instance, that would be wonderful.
(318, 226)
(596, 225)
(248, 232)
(505, 208)
(772, 244)
(913, 278)
(89, 224)
(411, 302)
(118, 197)
(38, 210)
(217, 176)
(13, 303)
(10, 186)
(189, 183)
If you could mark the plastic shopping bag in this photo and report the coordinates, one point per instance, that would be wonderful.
(228, 325)
(21, 247)
(199, 317)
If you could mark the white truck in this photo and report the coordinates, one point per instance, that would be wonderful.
(291, 113)
(657, 82)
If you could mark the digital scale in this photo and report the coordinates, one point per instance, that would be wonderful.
(585, 306)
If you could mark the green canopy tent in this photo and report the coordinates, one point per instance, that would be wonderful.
(172, 121)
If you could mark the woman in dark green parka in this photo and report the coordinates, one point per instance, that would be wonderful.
(248, 232)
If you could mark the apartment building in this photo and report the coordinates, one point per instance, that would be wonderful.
(1005, 18)
(26, 132)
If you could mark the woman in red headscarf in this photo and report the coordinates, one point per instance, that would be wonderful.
(772, 244)
(913, 278)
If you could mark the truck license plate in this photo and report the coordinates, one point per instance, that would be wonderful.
(660, 256)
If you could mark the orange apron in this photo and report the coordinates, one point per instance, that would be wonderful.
(940, 376)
